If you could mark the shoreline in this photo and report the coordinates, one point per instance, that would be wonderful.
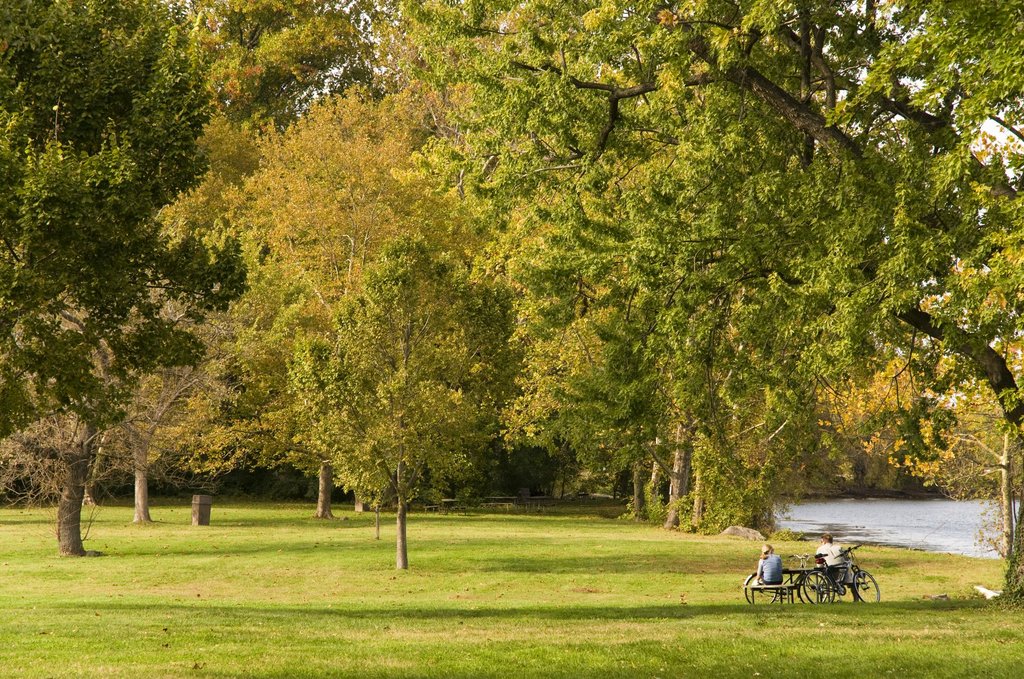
(870, 494)
(933, 524)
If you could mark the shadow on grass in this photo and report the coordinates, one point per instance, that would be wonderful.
(557, 562)
(179, 516)
(212, 548)
(569, 612)
(230, 520)
(389, 613)
(16, 515)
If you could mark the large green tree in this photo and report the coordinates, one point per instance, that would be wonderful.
(101, 103)
(801, 182)
(331, 190)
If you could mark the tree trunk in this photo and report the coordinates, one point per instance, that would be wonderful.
(142, 485)
(1014, 585)
(1017, 544)
(698, 501)
(376, 522)
(1014, 589)
(324, 490)
(69, 506)
(401, 551)
(679, 482)
(655, 479)
(1017, 549)
(95, 469)
(1006, 500)
(638, 493)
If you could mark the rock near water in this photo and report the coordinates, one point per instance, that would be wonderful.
(741, 532)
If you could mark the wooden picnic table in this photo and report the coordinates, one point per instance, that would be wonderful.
(794, 585)
(536, 502)
(449, 504)
(507, 506)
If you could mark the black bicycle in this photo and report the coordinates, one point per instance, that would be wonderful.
(849, 576)
(815, 585)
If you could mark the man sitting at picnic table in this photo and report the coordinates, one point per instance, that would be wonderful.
(834, 557)
(769, 568)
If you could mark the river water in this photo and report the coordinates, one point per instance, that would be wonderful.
(934, 525)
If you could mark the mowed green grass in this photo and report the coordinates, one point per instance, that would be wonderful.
(267, 591)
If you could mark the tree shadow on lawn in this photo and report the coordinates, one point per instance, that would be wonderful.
(568, 612)
(13, 518)
(179, 516)
(232, 520)
(244, 548)
(561, 563)
(388, 613)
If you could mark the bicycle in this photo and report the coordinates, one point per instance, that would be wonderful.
(849, 575)
(815, 585)
(808, 583)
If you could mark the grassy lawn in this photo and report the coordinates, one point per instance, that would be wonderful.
(269, 592)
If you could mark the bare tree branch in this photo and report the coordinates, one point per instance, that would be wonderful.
(1009, 128)
(992, 364)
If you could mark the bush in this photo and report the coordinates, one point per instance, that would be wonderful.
(787, 535)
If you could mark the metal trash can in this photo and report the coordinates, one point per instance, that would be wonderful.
(201, 509)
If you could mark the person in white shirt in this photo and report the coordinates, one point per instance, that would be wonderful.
(835, 560)
(833, 555)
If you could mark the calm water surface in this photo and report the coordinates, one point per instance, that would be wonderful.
(938, 525)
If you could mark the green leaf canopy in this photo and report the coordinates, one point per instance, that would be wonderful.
(101, 103)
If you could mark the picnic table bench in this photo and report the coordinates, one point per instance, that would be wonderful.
(535, 502)
(785, 592)
(507, 506)
(452, 504)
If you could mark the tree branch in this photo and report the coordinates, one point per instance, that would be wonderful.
(907, 110)
(615, 94)
(1009, 128)
(800, 115)
(993, 365)
(817, 60)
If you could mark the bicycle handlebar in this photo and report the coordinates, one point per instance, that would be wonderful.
(845, 551)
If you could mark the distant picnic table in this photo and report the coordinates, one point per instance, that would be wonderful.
(450, 504)
(505, 502)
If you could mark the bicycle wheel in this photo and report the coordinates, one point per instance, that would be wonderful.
(837, 577)
(748, 593)
(817, 588)
(865, 588)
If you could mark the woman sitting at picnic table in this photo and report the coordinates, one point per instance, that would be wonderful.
(769, 568)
